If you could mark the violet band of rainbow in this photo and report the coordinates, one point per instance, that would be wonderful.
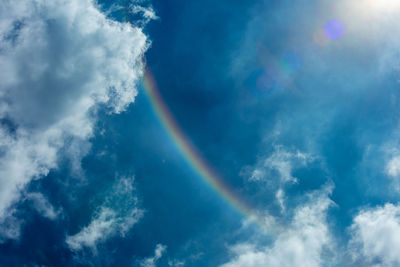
(188, 151)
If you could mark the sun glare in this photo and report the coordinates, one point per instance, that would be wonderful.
(384, 5)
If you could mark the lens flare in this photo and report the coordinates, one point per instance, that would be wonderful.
(320, 38)
(334, 29)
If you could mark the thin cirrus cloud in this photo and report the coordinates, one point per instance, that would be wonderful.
(59, 61)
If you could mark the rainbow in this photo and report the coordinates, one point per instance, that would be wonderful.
(188, 151)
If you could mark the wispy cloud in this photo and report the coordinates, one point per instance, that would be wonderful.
(158, 253)
(276, 170)
(147, 13)
(115, 217)
(283, 162)
(43, 206)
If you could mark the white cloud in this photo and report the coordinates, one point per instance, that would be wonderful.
(277, 170)
(10, 228)
(393, 167)
(280, 196)
(176, 263)
(303, 243)
(43, 206)
(147, 13)
(116, 216)
(283, 162)
(376, 236)
(99, 229)
(59, 60)
(390, 161)
(158, 253)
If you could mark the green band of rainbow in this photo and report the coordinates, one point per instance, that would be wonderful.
(188, 151)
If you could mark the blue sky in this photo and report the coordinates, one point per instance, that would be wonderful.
(293, 104)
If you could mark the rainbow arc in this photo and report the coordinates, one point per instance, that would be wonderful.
(188, 151)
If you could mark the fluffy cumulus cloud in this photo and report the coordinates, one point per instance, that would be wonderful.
(115, 217)
(376, 236)
(304, 242)
(59, 61)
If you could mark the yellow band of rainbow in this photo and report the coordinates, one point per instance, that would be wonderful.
(189, 152)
